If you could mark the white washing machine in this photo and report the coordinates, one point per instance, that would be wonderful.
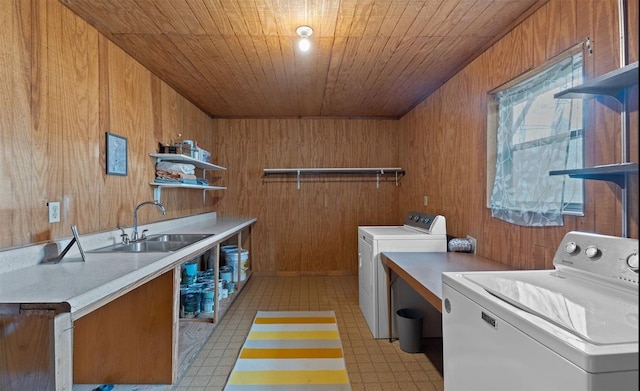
(571, 328)
(421, 232)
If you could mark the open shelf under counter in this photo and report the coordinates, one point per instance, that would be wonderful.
(223, 305)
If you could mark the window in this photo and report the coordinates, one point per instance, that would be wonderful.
(535, 134)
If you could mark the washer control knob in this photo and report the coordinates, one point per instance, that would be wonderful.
(591, 252)
(571, 248)
(632, 262)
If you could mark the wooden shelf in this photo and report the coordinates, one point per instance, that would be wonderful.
(612, 84)
(615, 173)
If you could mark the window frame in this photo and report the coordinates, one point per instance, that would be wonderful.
(493, 122)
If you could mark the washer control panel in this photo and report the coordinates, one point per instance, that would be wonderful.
(610, 257)
(430, 223)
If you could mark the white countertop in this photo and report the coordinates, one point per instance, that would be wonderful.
(85, 286)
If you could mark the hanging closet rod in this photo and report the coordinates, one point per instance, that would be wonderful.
(378, 171)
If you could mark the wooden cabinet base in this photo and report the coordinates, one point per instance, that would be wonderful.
(130, 340)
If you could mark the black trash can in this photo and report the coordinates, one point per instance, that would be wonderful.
(410, 330)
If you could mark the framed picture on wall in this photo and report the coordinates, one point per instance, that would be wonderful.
(116, 154)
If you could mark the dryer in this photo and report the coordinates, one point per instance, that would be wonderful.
(421, 232)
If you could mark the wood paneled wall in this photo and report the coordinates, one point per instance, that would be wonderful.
(445, 136)
(314, 229)
(63, 86)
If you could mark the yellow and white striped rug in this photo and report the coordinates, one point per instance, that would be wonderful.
(291, 350)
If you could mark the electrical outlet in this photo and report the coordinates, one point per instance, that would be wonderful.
(54, 212)
(425, 200)
(473, 243)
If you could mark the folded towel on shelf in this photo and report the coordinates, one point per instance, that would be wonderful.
(183, 168)
(167, 180)
(186, 181)
(174, 175)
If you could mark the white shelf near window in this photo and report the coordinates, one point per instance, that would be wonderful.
(204, 166)
(615, 84)
(616, 173)
(612, 84)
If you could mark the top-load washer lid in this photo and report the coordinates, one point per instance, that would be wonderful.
(597, 313)
(415, 223)
(394, 232)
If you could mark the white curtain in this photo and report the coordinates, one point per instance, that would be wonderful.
(534, 137)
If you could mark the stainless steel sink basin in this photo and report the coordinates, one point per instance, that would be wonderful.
(190, 238)
(161, 243)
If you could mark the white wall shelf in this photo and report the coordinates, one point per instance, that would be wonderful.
(616, 173)
(204, 166)
(379, 172)
(615, 84)
(612, 84)
(173, 157)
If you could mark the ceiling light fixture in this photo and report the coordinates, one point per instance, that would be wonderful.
(304, 32)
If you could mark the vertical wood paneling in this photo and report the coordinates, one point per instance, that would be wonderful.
(137, 327)
(131, 117)
(314, 229)
(78, 107)
(65, 85)
(16, 121)
(25, 347)
(446, 135)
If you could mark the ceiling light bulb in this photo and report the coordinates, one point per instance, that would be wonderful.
(304, 32)
(304, 44)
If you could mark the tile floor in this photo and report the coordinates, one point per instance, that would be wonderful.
(372, 364)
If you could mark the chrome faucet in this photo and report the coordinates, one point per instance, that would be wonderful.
(134, 233)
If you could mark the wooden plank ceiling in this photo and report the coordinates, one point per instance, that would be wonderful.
(239, 58)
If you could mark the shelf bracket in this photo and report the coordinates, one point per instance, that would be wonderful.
(157, 192)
